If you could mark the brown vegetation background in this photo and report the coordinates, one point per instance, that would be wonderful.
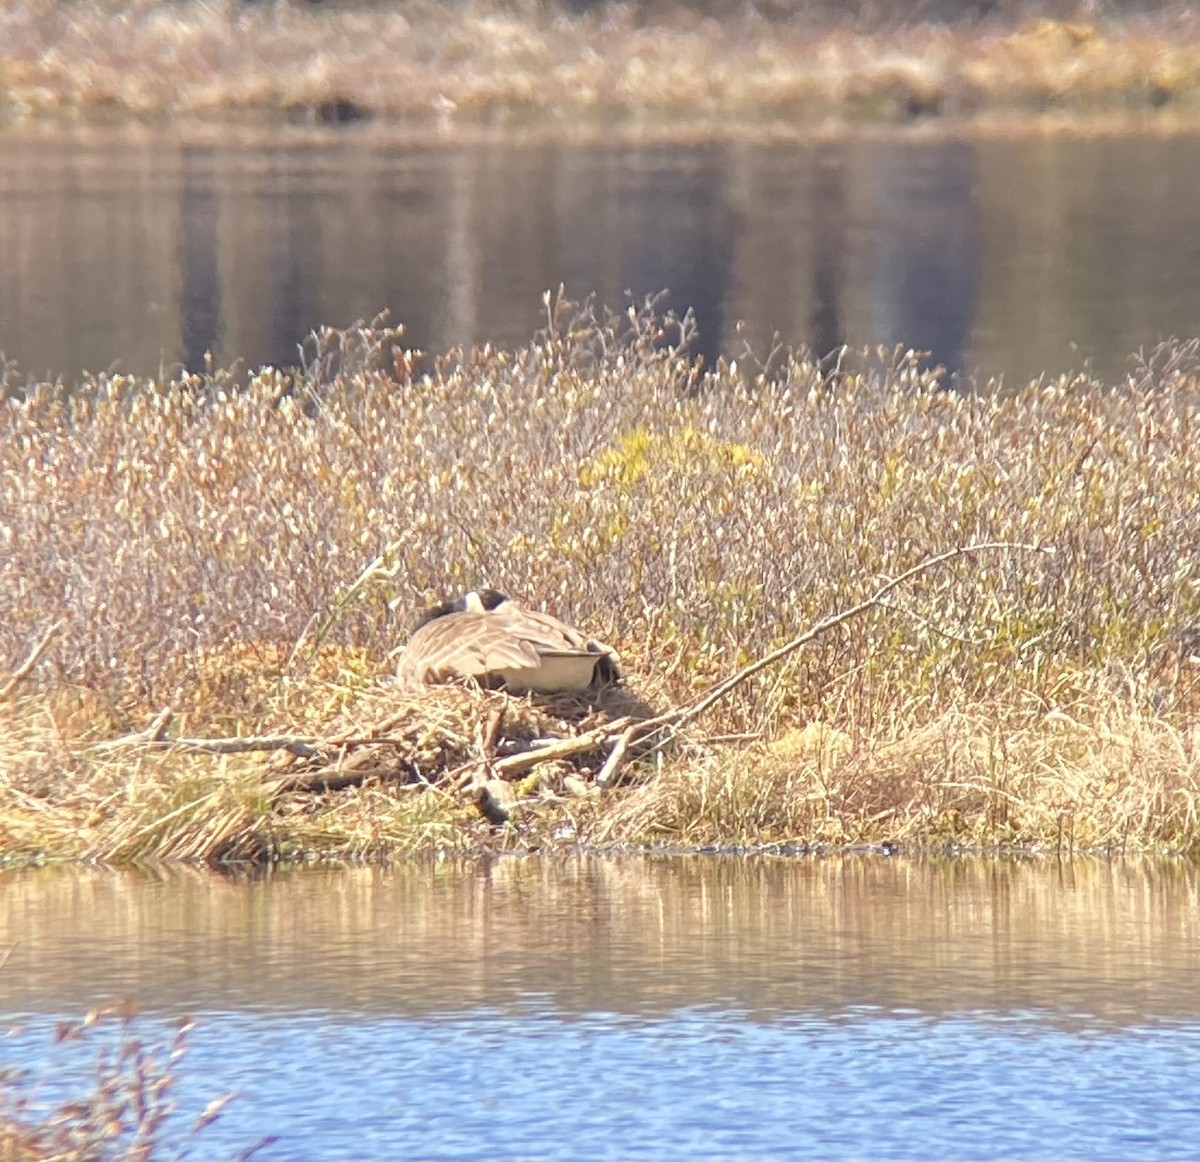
(250, 556)
(629, 65)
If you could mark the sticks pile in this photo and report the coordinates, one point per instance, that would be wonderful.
(467, 739)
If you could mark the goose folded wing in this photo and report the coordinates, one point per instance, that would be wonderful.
(464, 646)
(546, 634)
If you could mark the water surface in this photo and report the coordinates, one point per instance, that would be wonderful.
(644, 1007)
(1002, 256)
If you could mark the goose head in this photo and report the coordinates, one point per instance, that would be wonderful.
(477, 601)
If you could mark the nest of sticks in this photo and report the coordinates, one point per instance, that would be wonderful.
(462, 737)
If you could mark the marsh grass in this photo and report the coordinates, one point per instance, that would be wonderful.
(126, 1112)
(978, 777)
(249, 554)
(522, 64)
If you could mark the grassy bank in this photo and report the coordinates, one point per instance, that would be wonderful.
(248, 556)
(654, 68)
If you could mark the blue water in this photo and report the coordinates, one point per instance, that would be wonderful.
(694, 1084)
(653, 1008)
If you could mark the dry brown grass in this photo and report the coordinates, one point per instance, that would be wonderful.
(1111, 779)
(248, 556)
(389, 774)
(524, 64)
(125, 1114)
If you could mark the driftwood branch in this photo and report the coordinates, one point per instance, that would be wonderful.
(622, 738)
(685, 714)
(564, 748)
(607, 775)
(23, 670)
(154, 736)
(673, 721)
(305, 746)
(330, 778)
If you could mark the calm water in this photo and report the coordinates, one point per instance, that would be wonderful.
(1006, 256)
(643, 1007)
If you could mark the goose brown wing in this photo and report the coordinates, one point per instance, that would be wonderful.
(463, 645)
(544, 633)
(548, 635)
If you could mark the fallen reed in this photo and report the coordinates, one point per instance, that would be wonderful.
(249, 554)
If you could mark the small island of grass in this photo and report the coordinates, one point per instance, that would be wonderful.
(206, 583)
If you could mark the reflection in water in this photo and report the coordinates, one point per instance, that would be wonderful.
(200, 305)
(640, 1007)
(926, 266)
(995, 254)
(637, 935)
(826, 329)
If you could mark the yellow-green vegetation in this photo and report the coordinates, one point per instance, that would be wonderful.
(249, 554)
(651, 67)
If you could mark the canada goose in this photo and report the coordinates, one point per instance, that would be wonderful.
(488, 637)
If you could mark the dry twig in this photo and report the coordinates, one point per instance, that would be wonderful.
(23, 670)
(674, 720)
